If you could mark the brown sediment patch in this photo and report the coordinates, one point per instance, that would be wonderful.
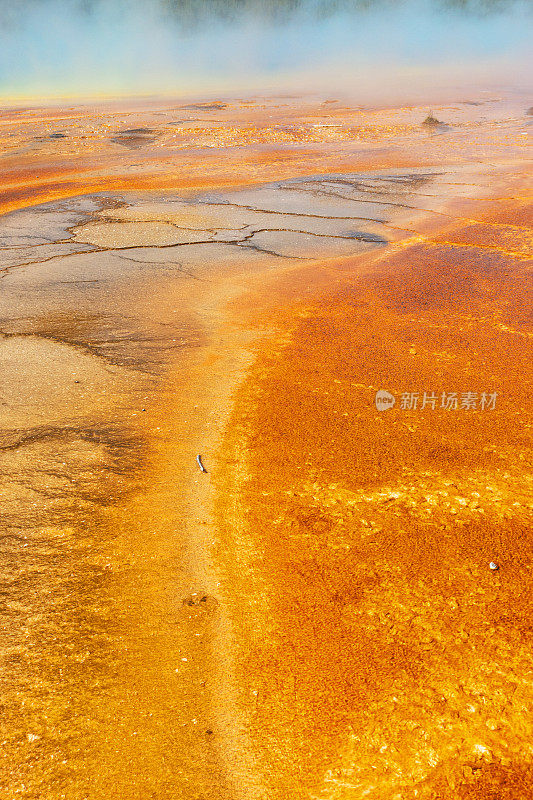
(215, 106)
(130, 131)
(135, 137)
(379, 655)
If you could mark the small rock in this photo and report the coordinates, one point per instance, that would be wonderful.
(195, 599)
(493, 566)
(431, 120)
(199, 603)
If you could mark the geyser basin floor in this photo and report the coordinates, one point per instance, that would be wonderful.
(244, 633)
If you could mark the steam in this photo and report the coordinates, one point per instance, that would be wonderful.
(186, 47)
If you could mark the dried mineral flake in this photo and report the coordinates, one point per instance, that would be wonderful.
(493, 566)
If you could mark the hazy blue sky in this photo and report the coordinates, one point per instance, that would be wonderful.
(50, 47)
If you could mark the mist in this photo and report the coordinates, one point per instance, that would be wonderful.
(51, 48)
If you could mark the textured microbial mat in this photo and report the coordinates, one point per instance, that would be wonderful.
(314, 616)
